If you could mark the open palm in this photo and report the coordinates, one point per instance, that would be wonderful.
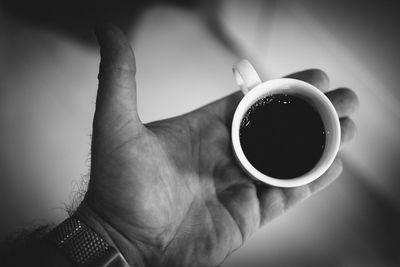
(170, 192)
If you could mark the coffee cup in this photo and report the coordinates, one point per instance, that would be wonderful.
(287, 109)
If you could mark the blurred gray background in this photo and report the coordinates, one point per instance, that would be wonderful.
(184, 52)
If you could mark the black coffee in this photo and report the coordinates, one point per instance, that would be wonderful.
(282, 136)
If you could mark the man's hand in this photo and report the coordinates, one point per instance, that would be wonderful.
(170, 192)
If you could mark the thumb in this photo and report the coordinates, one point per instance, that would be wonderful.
(116, 96)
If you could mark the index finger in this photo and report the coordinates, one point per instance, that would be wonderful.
(225, 107)
(316, 77)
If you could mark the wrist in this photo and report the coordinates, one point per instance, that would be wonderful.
(30, 248)
(130, 251)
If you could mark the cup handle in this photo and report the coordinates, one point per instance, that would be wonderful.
(245, 75)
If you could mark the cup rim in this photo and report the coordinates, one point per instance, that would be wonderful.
(272, 86)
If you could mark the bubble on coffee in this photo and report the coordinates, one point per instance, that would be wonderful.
(282, 136)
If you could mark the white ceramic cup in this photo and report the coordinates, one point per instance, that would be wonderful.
(253, 89)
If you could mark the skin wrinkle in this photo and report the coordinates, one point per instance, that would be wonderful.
(223, 162)
(300, 194)
(194, 157)
(186, 183)
(169, 196)
(165, 249)
(109, 71)
(277, 195)
(108, 125)
(192, 152)
(108, 79)
(107, 63)
(120, 146)
(154, 126)
(217, 172)
(109, 223)
(105, 219)
(261, 205)
(190, 131)
(158, 227)
(198, 148)
(105, 225)
(258, 225)
(219, 117)
(256, 220)
(129, 121)
(231, 249)
(214, 223)
(186, 212)
(233, 218)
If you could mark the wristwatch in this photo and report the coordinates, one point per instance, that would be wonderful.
(83, 246)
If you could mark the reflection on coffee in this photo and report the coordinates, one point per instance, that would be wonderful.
(282, 136)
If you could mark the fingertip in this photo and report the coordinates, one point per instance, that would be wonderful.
(102, 30)
(316, 77)
(115, 49)
(352, 98)
(117, 83)
(345, 100)
(111, 37)
(348, 130)
(320, 79)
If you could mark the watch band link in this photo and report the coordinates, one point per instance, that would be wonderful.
(83, 246)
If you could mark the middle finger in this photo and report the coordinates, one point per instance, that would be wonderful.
(344, 100)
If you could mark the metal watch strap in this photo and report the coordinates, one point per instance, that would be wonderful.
(83, 246)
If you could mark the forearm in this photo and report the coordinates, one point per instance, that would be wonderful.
(130, 252)
(59, 247)
(30, 249)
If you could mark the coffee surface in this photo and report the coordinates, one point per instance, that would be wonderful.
(282, 136)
